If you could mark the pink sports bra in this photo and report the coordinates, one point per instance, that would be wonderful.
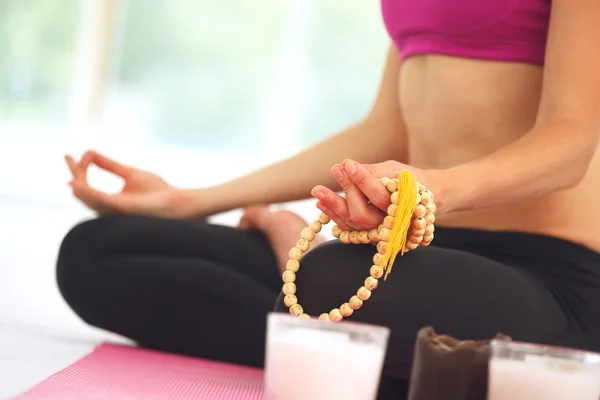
(506, 30)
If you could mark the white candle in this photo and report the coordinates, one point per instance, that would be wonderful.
(541, 378)
(307, 364)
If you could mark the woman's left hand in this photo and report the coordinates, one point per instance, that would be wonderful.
(367, 200)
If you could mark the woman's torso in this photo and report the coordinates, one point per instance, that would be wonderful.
(459, 108)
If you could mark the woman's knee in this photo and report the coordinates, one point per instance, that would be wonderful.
(83, 242)
(77, 263)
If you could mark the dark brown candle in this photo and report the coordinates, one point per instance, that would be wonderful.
(445, 368)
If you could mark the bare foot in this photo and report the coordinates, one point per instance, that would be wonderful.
(282, 229)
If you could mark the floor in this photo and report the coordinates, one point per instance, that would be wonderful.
(38, 333)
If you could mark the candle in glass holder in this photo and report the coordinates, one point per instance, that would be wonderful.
(319, 360)
(527, 371)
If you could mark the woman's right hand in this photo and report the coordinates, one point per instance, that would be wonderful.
(143, 193)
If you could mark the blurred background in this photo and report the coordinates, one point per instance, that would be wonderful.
(197, 91)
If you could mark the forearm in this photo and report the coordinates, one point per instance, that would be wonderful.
(547, 159)
(292, 179)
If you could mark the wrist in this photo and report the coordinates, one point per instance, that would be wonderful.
(212, 200)
(199, 203)
(448, 192)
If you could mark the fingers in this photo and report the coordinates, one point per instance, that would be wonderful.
(95, 199)
(362, 215)
(334, 202)
(368, 184)
(107, 164)
(73, 167)
(334, 217)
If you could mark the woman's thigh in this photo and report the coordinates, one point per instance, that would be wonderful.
(458, 293)
(128, 235)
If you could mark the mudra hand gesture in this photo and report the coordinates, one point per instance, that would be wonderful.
(143, 192)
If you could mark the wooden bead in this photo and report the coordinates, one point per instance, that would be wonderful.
(373, 236)
(303, 244)
(420, 211)
(427, 240)
(324, 317)
(376, 272)
(324, 218)
(295, 253)
(430, 193)
(415, 239)
(290, 300)
(382, 247)
(335, 315)
(371, 283)
(363, 237)
(418, 199)
(308, 234)
(354, 237)
(392, 209)
(355, 302)
(418, 232)
(419, 223)
(289, 288)
(388, 222)
(288, 276)
(392, 185)
(431, 207)
(385, 234)
(429, 229)
(394, 198)
(345, 237)
(411, 245)
(335, 231)
(430, 218)
(363, 293)
(384, 181)
(379, 226)
(377, 259)
(296, 309)
(425, 199)
(346, 310)
(304, 316)
(315, 226)
(293, 265)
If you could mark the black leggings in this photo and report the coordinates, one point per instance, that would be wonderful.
(205, 290)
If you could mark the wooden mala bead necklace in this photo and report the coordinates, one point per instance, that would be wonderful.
(409, 224)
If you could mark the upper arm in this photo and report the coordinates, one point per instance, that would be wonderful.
(571, 88)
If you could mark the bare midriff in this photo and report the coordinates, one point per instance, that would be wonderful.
(456, 110)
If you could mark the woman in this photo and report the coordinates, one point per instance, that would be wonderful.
(495, 108)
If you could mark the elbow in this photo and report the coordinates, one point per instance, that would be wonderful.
(582, 148)
(579, 167)
(576, 173)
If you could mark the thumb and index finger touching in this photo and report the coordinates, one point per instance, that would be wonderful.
(94, 198)
(103, 162)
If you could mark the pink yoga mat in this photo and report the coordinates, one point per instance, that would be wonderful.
(113, 372)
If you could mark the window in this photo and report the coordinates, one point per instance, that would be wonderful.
(243, 74)
(194, 82)
(37, 39)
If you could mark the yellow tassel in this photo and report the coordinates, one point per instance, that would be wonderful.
(407, 199)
